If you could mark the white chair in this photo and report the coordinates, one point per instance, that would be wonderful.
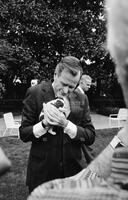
(12, 125)
(120, 117)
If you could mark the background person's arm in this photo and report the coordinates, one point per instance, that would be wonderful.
(102, 164)
(99, 168)
(5, 163)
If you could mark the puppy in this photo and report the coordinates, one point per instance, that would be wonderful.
(57, 103)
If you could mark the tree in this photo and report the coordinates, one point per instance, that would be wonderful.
(38, 33)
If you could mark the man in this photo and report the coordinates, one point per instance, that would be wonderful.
(111, 164)
(56, 155)
(85, 83)
(84, 86)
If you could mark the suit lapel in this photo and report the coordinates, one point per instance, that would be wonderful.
(76, 106)
(47, 92)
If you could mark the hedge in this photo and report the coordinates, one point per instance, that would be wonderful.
(7, 105)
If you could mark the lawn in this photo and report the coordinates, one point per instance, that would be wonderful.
(12, 184)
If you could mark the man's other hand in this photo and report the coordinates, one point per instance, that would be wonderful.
(53, 116)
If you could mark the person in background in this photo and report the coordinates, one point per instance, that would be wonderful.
(34, 82)
(85, 83)
(107, 176)
(84, 86)
(5, 163)
(57, 153)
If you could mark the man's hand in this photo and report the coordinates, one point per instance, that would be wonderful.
(53, 116)
(66, 108)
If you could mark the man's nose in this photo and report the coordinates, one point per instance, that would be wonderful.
(66, 90)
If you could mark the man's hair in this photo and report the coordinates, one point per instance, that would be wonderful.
(86, 78)
(71, 63)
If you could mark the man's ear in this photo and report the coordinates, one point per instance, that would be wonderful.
(78, 82)
(55, 74)
(77, 85)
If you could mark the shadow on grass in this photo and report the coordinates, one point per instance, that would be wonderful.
(12, 184)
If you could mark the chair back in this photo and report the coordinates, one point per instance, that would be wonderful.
(123, 113)
(9, 120)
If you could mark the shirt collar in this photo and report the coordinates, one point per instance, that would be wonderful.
(82, 91)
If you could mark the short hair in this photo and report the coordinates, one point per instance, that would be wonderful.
(70, 63)
(86, 78)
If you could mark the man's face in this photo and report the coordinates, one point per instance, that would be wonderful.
(86, 85)
(65, 83)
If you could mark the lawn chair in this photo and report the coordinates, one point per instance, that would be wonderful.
(12, 126)
(120, 117)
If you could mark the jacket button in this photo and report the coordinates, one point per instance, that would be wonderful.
(45, 139)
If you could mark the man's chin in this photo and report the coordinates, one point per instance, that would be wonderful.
(61, 96)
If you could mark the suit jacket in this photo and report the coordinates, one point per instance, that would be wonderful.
(87, 150)
(55, 156)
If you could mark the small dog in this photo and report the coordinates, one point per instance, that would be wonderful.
(57, 103)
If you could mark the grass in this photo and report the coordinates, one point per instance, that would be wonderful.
(12, 184)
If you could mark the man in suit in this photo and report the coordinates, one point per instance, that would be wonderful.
(84, 86)
(56, 155)
(85, 83)
(112, 163)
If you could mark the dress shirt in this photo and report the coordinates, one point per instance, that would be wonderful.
(70, 129)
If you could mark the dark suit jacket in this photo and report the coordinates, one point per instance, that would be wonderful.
(55, 156)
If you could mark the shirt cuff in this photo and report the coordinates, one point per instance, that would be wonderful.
(38, 130)
(71, 130)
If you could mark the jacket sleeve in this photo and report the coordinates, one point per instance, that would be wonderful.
(85, 128)
(29, 116)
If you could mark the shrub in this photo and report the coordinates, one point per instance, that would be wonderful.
(107, 110)
(102, 102)
(2, 89)
(10, 105)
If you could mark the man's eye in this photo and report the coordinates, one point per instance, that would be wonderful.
(71, 87)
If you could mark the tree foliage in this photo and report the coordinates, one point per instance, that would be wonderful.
(35, 34)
